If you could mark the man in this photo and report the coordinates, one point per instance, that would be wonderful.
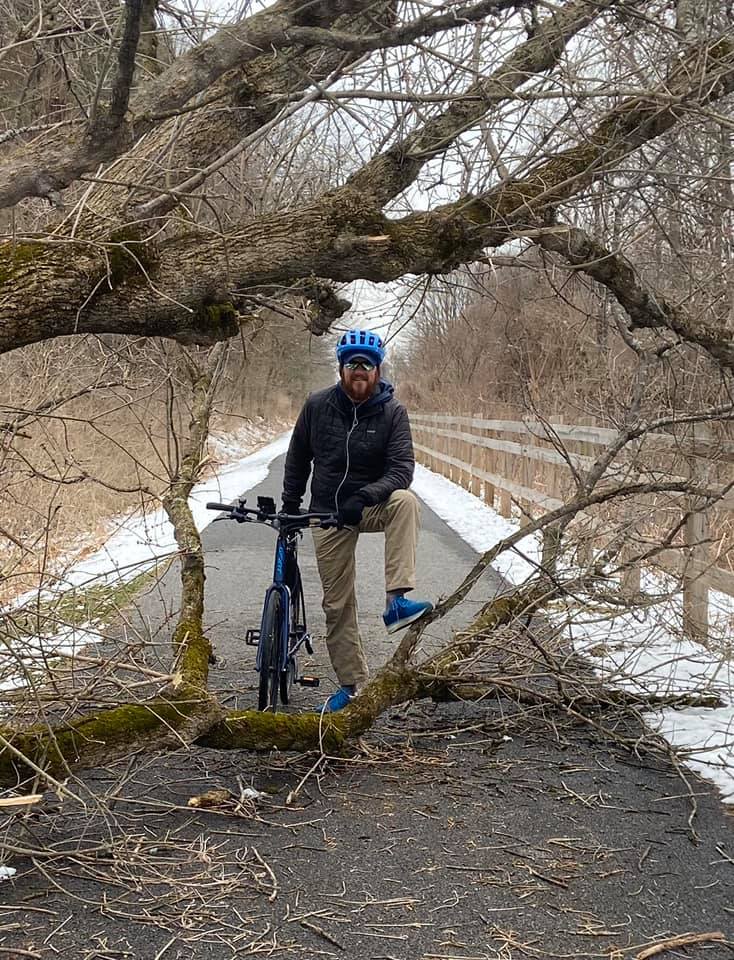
(358, 438)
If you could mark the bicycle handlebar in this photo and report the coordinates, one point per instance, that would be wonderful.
(236, 512)
(222, 507)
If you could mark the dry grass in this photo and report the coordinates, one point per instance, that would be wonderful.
(66, 472)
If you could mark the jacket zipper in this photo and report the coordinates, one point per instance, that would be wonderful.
(341, 482)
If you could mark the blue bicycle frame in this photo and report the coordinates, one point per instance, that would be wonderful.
(280, 586)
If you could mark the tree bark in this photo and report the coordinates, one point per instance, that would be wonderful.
(183, 288)
(192, 650)
(56, 159)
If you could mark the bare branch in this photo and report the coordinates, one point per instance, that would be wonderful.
(646, 308)
(387, 175)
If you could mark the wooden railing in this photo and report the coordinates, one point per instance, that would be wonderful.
(532, 464)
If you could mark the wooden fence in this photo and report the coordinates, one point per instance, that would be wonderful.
(532, 465)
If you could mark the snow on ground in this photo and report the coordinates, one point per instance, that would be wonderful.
(642, 651)
(228, 447)
(29, 652)
(136, 541)
(476, 523)
(647, 652)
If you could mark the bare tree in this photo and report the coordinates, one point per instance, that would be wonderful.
(395, 140)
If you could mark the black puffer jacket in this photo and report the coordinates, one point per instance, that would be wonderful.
(365, 447)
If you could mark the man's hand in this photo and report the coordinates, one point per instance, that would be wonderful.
(350, 513)
(291, 507)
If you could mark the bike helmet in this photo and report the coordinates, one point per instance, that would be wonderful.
(363, 343)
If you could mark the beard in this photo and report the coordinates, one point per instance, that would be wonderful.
(358, 388)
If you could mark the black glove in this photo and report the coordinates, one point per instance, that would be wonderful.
(350, 512)
(292, 507)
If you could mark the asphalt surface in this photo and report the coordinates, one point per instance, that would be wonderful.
(452, 832)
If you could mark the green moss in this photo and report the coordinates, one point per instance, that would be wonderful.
(500, 611)
(255, 730)
(128, 255)
(194, 665)
(219, 320)
(91, 739)
(15, 255)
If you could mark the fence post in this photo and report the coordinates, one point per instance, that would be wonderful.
(461, 454)
(695, 591)
(473, 481)
(585, 543)
(502, 459)
(451, 452)
(488, 466)
(528, 474)
(430, 441)
(466, 456)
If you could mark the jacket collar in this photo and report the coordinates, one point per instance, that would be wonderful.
(382, 393)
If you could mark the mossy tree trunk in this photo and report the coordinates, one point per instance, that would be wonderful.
(191, 648)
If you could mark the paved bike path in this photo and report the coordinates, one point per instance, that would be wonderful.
(453, 832)
(239, 565)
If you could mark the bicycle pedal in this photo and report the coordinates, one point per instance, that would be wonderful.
(252, 637)
(307, 643)
(308, 681)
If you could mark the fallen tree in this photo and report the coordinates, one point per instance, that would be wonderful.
(109, 268)
(146, 246)
(186, 713)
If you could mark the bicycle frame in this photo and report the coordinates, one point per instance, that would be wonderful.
(287, 582)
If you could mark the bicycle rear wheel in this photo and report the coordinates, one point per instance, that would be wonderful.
(271, 638)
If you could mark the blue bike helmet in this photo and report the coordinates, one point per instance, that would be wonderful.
(363, 343)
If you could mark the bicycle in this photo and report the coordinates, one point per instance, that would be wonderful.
(283, 630)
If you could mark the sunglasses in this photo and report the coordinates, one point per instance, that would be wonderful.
(366, 365)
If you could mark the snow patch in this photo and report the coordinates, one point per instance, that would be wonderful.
(30, 651)
(642, 651)
(138, 540)
(477, 524)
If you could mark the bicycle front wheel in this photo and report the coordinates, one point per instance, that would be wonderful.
(271, 639)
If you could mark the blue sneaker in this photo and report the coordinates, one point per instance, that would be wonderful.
(338, 700)
(402, 611)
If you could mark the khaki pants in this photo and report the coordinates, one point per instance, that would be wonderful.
(399, 518)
